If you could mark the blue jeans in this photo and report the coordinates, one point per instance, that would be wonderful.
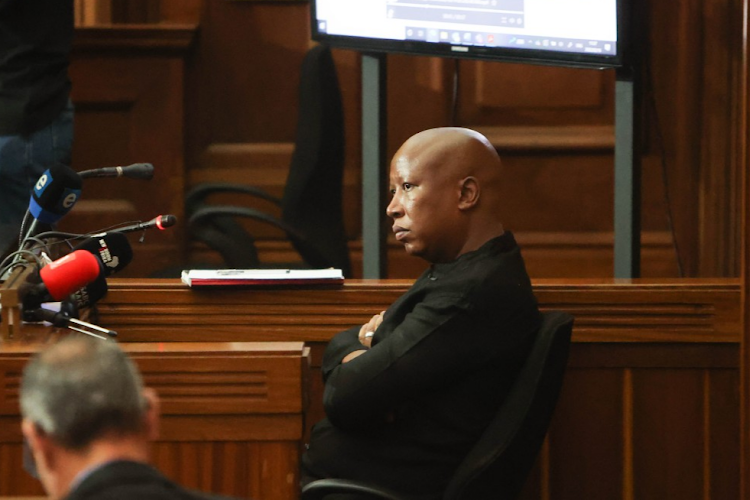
(23, 159)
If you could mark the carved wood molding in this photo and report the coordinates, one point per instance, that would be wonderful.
(135, 37)
(600, 138)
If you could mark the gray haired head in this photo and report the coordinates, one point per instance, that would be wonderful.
(79, 389)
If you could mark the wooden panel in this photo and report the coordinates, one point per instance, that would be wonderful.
(13, 479)
(650, 394)
(128, 93)
(242, 97)
(644, 422)
(513, 87)
(668, 434)
(606, 310)
(587, 409)
(637, 344)
(723, 420)
(219, 431)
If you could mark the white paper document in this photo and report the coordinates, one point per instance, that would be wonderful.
(260, 277)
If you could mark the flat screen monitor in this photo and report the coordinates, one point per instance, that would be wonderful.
(576, 33)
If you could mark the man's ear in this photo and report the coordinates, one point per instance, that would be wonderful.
(153, 411)
(469, 193)
(42, 447)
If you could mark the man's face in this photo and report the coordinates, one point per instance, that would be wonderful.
(424, 209)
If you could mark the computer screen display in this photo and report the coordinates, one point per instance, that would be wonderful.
(579, 33)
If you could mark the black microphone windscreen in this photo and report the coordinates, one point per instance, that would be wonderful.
(90, 294)
(55, 193)
(112, 249)
(139, 171)
(166, 221)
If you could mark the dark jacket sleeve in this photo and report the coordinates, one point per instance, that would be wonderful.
(431, 346)
(342, 344)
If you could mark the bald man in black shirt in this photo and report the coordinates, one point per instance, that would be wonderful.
(408, 394)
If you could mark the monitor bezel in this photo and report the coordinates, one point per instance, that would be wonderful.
(501, 54)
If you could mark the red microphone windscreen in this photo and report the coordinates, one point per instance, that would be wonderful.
(67, 274)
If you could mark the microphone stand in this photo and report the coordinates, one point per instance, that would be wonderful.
(63, 320)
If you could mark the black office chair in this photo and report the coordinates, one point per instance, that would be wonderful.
(499, 464)
(311, 206)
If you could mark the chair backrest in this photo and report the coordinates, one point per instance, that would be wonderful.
(312, 201)
(498, 465)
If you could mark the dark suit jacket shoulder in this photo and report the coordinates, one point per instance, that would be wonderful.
(125, 480)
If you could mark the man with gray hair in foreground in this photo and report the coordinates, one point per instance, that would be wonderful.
(89, 421)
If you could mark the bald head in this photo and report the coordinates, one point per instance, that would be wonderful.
(445, 184)
(452, 152)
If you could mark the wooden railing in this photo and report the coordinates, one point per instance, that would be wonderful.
(650, 403)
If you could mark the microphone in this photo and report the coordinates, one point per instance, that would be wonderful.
(161, 221)
(86, 296)
(112, 249)
(60, 278)
(134, 171)
(54, 194)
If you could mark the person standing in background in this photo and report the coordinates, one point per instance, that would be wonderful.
(36, 113)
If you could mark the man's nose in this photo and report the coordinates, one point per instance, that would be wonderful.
(393, 210)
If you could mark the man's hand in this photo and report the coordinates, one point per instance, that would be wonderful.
(368, 329)
(353, 355)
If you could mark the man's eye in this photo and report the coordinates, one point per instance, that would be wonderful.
(407, 186)
(392, 191)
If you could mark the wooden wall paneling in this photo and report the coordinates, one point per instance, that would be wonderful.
(14, 478)
(180, 11)
(720, 166)
(135, 11)
(645, 421)
(510, 94)
(242, 107)
(586, 435)
(690, 310)
(743, 132)
(128, 93)
(695, 91)
(723, 420)
(668, 436)
(419, 96)
(92, 12)
(242, 469)
(242, 83)
(644, 353)
(232, 414)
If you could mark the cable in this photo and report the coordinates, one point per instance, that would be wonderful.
(454, 100)
(665, 175)
(39, 242)
(70, 237)
(5, 268)
(24, 223)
